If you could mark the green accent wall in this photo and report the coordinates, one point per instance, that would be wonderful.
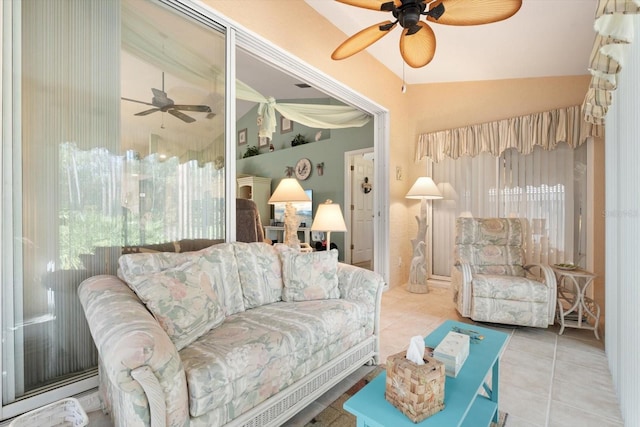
(329, 149)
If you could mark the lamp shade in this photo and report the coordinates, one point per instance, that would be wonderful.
(289, 190)
(328, 218)
(424, 188)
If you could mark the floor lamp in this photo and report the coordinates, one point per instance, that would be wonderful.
(289, 191)
(328, 218)
(424, 189)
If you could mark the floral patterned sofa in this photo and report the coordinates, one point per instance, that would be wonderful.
(236, 334)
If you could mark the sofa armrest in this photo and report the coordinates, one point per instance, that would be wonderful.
(362, 285)
(129, 339)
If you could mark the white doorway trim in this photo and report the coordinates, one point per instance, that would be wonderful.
(348, 200)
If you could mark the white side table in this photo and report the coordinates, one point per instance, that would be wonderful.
(575, 309)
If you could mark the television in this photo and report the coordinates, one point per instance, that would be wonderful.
(304, 210)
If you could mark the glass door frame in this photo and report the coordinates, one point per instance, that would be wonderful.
(236, 37)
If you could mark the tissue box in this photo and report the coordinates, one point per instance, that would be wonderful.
(416, 390)
(452, 351)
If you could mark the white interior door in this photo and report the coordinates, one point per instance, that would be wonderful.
(362, 209)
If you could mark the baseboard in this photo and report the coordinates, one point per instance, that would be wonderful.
(435, 283)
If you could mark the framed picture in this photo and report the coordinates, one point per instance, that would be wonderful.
(263, 141)
(286, 125)
(242, 137)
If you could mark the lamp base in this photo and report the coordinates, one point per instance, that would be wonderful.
(291, 227)
(418, 288)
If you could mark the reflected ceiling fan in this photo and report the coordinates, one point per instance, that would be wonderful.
(418, 42)
(162, 102)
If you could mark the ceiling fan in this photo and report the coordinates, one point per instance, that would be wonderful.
(162, 102)
(418, 42)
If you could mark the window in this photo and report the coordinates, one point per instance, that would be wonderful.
(548, 188)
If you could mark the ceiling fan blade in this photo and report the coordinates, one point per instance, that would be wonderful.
(475, 12)
(182, 116)
(135, 100)
(147, 112)
(198, 108)
(362, 40)
(384, 5)
(418, 46)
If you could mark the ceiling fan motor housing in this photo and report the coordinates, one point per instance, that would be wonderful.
(409, 13)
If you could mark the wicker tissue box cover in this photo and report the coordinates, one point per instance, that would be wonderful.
(416, 390)
(452, 351)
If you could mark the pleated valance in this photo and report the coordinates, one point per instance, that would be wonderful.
(545, 129)
(614, 27)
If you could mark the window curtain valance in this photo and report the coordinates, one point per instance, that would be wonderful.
(614, 27)
(545, 129)
(141, 38)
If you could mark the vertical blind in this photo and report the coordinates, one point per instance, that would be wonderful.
(622, 216)
(69, 92)
(78, 193)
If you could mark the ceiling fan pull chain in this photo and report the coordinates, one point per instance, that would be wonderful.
(404, 86)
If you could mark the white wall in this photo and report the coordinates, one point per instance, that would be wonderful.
(622, 176)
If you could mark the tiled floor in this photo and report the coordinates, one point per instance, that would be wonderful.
(547, 380)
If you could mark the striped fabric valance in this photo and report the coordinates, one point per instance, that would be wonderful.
(545, 129)
(614, 27)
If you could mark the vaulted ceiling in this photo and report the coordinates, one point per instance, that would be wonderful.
(544, 38)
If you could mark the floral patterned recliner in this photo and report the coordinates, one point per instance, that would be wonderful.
(490, 280)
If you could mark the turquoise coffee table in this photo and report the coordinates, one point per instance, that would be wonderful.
(463, 405)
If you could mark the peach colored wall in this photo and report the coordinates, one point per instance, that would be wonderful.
(451, 105)
(295, 27)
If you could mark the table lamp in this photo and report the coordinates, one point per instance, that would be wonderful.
(424, 189)
(328, 218)
(289, 191)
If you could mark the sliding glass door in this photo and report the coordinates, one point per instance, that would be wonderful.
(113, 123)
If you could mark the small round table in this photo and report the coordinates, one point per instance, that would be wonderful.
(572, 287)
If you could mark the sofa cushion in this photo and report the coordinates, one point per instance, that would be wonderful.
(480, 256)
(134, 267)
(182, 299)
(310, 276)
(254, 354)
(509, 288)
(260, 271)
(489, 231)
(226, 280)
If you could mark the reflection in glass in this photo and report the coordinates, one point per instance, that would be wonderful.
(90, 177)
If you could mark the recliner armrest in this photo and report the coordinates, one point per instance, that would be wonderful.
(548, 278)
